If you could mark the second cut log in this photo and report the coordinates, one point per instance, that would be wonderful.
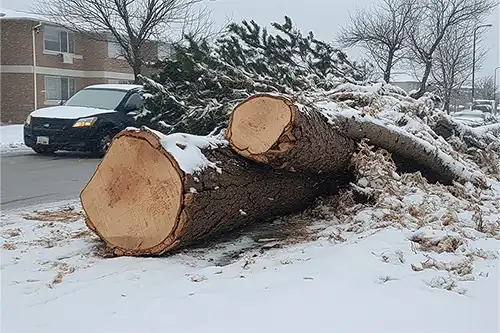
(273, 130)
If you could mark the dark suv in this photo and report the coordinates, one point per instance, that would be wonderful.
(87, 121)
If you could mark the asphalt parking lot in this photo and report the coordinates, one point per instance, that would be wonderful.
(31, 179)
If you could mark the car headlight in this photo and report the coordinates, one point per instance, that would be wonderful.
(85, 122)
(28, 120)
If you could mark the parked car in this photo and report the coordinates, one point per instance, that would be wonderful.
(484, 105)
(87, 121)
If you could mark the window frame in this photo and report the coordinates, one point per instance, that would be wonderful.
(164, 50)
(71, 86)
(69, 41)
(116, 48)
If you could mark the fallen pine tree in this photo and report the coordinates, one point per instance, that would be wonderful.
(390, 103)
(154, 193)
(479, 137)
(145, 200)
(197, 87)
(273, 130)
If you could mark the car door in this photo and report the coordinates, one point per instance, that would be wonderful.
(133, 106)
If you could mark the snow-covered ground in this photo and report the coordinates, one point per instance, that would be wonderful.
(358, 276)
(11, 138)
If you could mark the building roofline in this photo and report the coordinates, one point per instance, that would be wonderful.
(11, 15)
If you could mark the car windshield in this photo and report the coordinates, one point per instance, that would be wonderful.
(107, 99)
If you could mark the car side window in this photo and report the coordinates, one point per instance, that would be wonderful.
(134, 102)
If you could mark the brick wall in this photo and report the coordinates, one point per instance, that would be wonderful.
(16, 97)
(16, 41)
(88, 82)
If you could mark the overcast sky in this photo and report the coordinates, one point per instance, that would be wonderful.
(323, 17)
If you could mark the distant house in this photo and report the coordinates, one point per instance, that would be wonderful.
(62, 62)
(405, 81)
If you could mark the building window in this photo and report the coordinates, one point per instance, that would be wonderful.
(59, 88)
(115, 50)
(58, 40)
(165, 51)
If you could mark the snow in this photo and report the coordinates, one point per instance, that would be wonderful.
(375, 280)
(358, 88)
(186, 149)
(9, 14)
(334, 110)
(11, 138)
(121, 86)
(68, 112)
(405, 261)
(410, 257)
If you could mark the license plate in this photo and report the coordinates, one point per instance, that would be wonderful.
(42, 140)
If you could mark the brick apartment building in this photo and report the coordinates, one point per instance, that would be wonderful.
(65, 63)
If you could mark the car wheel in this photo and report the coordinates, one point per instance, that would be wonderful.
(104, 143)
(44, 151)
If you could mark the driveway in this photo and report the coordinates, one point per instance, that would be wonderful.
(28, 178)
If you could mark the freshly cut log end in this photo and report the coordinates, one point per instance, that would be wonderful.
(258, 124)
(273, 130)
(133, 186)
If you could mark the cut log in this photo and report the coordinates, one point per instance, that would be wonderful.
(153, 193)
(272, 129)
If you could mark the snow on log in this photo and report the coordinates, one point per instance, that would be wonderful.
(154, 193)
(274, 130)
(479, 137)
(358, 126)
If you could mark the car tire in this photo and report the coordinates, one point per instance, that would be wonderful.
(44, 151)
(104, 142)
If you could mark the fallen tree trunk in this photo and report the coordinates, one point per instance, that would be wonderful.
(479, 137)
(154, 193)
(271, 129)
(444, 168)
(274, 130)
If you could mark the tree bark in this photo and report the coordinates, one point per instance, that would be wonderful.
(271, 129)
(148, 199)
(447, 98)
(423, 83)
(478, 137)
(137, 69)
(388, 67)
(430, 159)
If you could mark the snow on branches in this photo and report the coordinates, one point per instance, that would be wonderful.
(196, 89)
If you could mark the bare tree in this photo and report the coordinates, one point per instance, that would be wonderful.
(453, 60)
(381, 32)
(367, 71)
(486, 88)
(436, 19)
(132, 24)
